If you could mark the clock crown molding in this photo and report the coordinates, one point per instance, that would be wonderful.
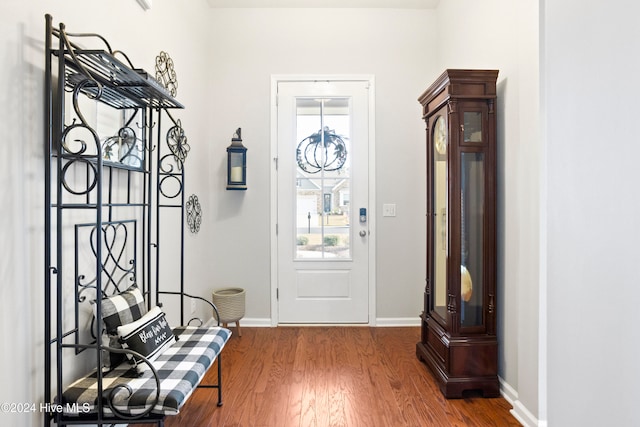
(482, 83)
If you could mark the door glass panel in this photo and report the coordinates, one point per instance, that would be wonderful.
(440, 238)
(472, 243)
(472, 126)
(323, 179)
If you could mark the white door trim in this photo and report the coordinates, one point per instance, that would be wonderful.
(275, 79)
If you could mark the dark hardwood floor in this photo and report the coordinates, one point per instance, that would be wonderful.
(331, 376)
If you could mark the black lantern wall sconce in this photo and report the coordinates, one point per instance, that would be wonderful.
(237, 163)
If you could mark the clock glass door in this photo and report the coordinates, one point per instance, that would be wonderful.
(440, 240)
(472, 238)
(472, 126)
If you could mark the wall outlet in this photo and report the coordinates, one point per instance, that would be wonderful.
(193, 306)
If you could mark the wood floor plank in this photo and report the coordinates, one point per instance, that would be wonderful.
(331, 376)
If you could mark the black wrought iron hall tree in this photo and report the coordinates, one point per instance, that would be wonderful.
(112, 177)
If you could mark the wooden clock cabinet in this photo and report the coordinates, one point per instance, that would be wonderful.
(458, 325)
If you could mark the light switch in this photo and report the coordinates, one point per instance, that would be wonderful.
(389, 209)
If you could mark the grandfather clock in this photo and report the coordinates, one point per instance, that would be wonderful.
(458, 337)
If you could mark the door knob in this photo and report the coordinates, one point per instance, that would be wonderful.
(363, 233)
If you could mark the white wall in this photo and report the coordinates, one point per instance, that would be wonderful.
(503, 35)
(247, 47)
(591, 111)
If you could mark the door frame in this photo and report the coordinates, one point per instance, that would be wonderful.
(275, 79)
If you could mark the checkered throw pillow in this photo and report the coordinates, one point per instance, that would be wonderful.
(120, 309)
(123, 308)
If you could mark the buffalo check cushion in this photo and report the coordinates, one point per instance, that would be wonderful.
(119, 309)
(122, 309)
(180, 369)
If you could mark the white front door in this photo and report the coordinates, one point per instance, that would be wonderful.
(322, 240)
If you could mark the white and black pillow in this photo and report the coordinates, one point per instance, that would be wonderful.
(117, 310)
(150, 336)
(123, 308)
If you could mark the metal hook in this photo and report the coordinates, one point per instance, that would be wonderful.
(145, 125)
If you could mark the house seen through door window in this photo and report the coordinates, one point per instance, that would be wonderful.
(323, 178)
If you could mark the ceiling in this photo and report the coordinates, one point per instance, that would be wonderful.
(389, 4)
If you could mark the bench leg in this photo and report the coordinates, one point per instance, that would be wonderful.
(219, 379)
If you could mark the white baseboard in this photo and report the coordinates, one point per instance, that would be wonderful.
(519, 411)
(385, 322)
(508, 392)
(248, 322)
(254, 322)
(380, 322)
(524, 416)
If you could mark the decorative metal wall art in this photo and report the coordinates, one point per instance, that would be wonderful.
(194, 213)
(323, 150)
(165, 74)
(177, 142)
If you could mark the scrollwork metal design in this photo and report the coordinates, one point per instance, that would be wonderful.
(177, 142)
(118, 270)
(149, 404)
(322, 151)
(165, 186)
(165, 74)
(71, 49)
(194, 213)
(75, 149)
(113, 396)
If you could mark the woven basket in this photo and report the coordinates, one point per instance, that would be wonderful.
(230, 303)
